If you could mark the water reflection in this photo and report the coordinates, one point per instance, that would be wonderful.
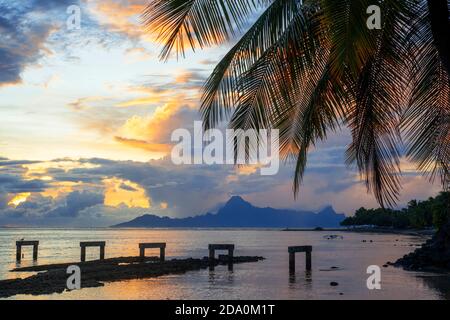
(440, 283)
(267, 279)
(305, 278)
(221, 276)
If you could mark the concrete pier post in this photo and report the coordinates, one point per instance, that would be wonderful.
(100, 244)
(102, 253)
(291, 262)
(161, 246)
(230, 254)
(21, 243)
(162, 254)
(308, 261)
(308, 252)
(83, 254)
(35, 252)
(18, 252)
(212, 251)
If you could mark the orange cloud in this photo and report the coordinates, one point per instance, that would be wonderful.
(122, 17)
(123, 192)
(152, 96)
(164, 205)
(152, 133)
(141, 101)
(61, 188)
(141, 144)
(184, 77)
(159, 125)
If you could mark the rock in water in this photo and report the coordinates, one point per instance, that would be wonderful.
(334, 284)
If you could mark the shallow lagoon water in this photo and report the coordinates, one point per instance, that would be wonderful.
(268, 279)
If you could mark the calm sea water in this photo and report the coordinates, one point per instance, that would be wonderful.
(268, 279)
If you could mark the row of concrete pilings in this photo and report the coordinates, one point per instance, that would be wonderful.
(162, 247)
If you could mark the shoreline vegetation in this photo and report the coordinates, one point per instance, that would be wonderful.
(52, 278)
(428, 214)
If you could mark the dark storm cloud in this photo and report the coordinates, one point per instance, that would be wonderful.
(6, 162)
(75, 203)
(15, 184)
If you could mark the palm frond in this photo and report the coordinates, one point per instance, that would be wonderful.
(352, 42)
(326, 106)
(200, 23)
(268, 87)
(440, 27)
(221, 90)
(305, 66)
(426, 120)
(375, 116)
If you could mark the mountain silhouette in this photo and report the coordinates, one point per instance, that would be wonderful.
(238, 213)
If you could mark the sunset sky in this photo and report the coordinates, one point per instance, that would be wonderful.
(86, 121)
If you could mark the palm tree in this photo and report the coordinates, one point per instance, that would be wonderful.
(310, 67)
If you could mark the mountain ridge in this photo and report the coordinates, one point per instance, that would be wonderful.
(239, 213)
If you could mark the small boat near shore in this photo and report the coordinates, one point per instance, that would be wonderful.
(333, 237)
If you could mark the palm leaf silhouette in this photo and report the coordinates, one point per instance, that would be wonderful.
(309, 67)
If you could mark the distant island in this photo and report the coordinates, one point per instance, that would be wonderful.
(238, 213)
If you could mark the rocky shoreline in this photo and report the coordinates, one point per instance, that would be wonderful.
(52, 278)
(434, 255)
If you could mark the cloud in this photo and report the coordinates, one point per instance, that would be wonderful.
(191, 77)
(119, 192)
(76, 202)
(145, 145)
(100, 191)
(120, 16)
(137, 54)
(23, 33)
(82, 103)
(6, 162)
(50, 5)
(10, 183)
(153, 133)
(19, 49)
(31, 30)
(128, 187)
(4, 200)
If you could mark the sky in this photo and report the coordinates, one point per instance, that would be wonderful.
(86, 120)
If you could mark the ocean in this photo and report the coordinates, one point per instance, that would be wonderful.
(268, 279)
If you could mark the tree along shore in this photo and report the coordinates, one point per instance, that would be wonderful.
(429, 214)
